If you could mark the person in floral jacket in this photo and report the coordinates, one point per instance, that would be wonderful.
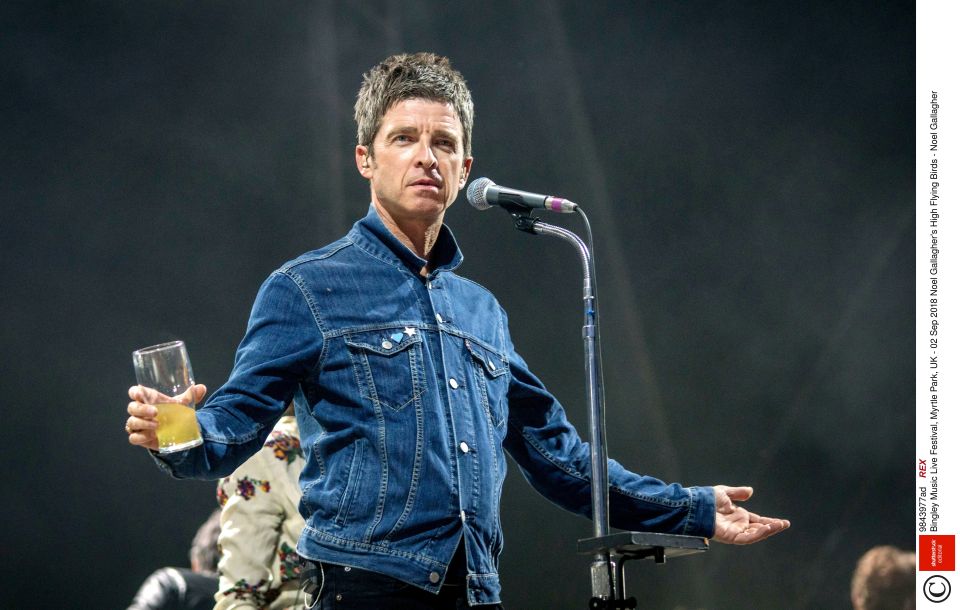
(260, 525)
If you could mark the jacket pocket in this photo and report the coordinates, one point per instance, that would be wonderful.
(388, 365)
(490, 369)
(352, 487)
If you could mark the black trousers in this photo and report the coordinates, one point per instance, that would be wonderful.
(345, 588)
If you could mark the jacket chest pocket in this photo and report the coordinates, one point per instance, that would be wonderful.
(490, 370)
(388, 365)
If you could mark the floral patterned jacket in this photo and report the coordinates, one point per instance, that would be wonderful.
(260, 524)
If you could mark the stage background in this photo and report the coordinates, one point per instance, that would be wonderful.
(748, 169)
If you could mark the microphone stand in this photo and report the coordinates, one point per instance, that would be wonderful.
(609, 551)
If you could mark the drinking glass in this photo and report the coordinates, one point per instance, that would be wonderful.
(166, 369)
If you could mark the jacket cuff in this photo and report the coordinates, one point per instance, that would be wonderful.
(168, 462)
(703, 512)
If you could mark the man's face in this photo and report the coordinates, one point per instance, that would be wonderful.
(418, 165)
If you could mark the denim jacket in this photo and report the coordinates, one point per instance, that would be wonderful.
(408, 390)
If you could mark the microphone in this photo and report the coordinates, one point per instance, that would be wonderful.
(483, 193)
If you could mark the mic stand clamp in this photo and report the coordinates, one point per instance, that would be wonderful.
(525, 222)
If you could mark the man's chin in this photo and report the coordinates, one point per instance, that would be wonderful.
(426, 206)
(427, 210)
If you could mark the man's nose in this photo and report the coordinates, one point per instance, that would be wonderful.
(425, 156)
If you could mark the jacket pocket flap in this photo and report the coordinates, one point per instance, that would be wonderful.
(386, 341)
(492, 362)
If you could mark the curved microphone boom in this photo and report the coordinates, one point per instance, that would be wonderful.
(483, 193)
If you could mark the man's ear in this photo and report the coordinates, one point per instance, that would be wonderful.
(465, 171)
(364, 161)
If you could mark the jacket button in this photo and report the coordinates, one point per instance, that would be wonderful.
(386, 345)
(439, 318)
(454, 384)
(434, 577)
(464, 447)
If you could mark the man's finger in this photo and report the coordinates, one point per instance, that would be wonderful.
(199, 391)
(760, 531)
(754, 534)
(739, 494)
(146, 439)
(138, 409)
(143, 394)
(769, 521)
(138, 424)
(774, 521)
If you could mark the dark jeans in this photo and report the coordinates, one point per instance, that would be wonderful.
(346, 588)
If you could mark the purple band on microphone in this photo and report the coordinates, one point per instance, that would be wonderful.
(555, 203)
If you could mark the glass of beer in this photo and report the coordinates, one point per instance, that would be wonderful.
(166, 369)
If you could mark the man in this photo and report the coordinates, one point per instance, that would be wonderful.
(407, 386)
(885, 577)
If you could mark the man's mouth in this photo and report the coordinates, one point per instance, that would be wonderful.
(427, 182)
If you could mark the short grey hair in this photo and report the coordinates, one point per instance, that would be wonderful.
(410, 76)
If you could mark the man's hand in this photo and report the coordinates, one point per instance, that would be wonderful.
(736, 525)
(142, 424)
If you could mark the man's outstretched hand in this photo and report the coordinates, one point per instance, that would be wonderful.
(737, 525)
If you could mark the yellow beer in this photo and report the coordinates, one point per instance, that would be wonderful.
(177, 429)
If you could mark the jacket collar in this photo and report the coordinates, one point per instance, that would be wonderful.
(371, 235)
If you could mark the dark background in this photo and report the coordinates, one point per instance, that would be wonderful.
(748, 168)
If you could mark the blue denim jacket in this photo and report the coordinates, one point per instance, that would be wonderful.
(408, 390)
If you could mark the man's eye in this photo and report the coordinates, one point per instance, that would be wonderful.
(403, 138)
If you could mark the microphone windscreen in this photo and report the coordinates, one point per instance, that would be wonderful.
(475, 193)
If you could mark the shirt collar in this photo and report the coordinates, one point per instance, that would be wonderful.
(370, 234)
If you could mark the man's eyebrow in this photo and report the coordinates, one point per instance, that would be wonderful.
(446, 133)
(401, 129)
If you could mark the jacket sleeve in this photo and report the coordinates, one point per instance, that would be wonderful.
(556, 462)
(282, 346)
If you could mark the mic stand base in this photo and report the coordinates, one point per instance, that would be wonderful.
(624, 546)
(599, 603)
